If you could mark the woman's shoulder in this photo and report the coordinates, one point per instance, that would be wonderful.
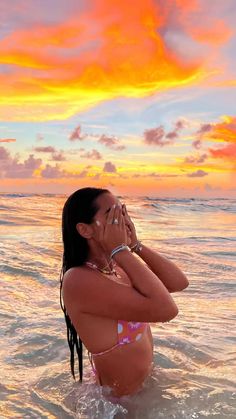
(71, 282)
(73, 276)
(75, 272)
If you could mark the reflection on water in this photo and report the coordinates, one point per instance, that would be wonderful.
(194, 373)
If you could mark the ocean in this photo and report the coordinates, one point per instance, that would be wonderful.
(194, 354)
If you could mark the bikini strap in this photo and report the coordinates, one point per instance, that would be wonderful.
(93, 367)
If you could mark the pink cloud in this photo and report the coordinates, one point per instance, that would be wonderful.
(154, 136)
(109, 167)
(58, 156)
(52, 172)
(172, 135)
(157, 136)
(111, 142)
(48, 149)
(55, 172)
(196, 159)
(205, 128)
(94, 154)
(4, 153)
(179, 125)
(76, 134)
(197, 143)
(198, 173)
(55, 155)
(31, 163)
(11, 167)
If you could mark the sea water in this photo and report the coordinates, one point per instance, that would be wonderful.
(195, 354)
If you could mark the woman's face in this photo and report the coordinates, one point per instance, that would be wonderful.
(104, 203)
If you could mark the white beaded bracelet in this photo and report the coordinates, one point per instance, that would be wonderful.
(118, 249)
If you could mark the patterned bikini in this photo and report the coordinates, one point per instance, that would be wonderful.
(127, 332)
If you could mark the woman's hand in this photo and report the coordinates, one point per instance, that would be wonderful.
(131, 226)
(112, 234)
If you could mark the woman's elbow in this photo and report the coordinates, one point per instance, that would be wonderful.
(184, 283)
(165, 315)
(172, 313)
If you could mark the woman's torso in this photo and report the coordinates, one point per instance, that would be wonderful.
(125, 366)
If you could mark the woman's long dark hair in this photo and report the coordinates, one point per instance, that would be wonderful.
(80, 207)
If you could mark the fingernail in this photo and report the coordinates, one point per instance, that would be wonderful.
(98, 223)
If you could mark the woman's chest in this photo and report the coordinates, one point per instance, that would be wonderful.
(98, 332)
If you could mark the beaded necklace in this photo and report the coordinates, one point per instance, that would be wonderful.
(103, 270)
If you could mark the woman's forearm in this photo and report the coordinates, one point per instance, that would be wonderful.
(169, 274)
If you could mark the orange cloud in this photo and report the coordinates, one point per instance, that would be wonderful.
(219, 34)
(228, 152)
(7, 140)
(225, 131)
(220, 132)
(61, 70)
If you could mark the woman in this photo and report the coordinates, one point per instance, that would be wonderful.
(109, 294)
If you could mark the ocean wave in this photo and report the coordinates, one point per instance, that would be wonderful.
(4, 222)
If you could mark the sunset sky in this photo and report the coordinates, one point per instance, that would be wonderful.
(135, 96)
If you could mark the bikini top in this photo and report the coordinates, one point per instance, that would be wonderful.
(127, 332)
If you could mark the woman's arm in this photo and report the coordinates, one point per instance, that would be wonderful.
(169, 274)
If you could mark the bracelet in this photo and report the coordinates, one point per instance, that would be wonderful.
(137, 247)
(118, 249)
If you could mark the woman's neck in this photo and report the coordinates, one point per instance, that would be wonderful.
(97, 256)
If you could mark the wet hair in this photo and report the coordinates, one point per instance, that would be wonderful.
(80, 207)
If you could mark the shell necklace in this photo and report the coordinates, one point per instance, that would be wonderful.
(103, 270)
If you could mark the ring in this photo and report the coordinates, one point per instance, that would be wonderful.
(115, 221)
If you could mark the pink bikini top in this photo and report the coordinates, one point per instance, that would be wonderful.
(127, 332)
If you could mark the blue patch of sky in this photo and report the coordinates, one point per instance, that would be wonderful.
(125, 116)
(6, 69)
(133, 116)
